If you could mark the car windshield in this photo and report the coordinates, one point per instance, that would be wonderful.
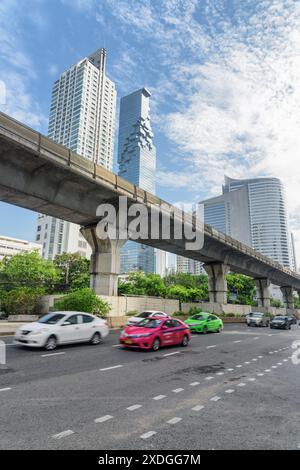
(199, 317)
(143, 314)
(279, 318)
(257, 314)
(51, 318)
(149, 323)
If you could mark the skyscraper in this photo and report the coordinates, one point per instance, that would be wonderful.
(82, 117)
(254, 212)
(137, 164)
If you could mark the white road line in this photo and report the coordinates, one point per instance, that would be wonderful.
(256, 337)
(230, 390)
(279, 363)
(260, 374)
(193, 384)
(159, 397)
(220, 373)
(254, 359)
(52, 354)
(230, 370)
(285, 360)
(216, 398)
(174, 420)
(60, 435)
(178, 390)
(260, 357)
(238, 366)
(5, 389)
(171, 354)
(267, 370)
(133, 407)
(270, 352)
(198, 408)
(209, 378)
(270, 334)
(211, 346)
(147, 434)
(251, 379)
(241, 384)
(247, 362)
(116, 346)
(237, 341)
(102, 419)
(274, 367)
(110, 368)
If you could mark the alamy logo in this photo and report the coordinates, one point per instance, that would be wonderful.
(137, 221)
(2, 93)
(296, 354)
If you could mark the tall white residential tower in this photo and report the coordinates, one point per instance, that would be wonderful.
(82, 117)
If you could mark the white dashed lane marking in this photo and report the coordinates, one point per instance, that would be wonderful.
(133, 407)
(193, 384)
(174, 420)
(112, 367)
(230, 390)
(53, 354)
(60, 435)
(237, 341)
(216, 398)
(230, 370)
(198, 408)
(209, 378)
(211, 346)
(5, 389)
(251, 379)
(220, 373)
(148, 434)
(178, 390)
(159, 397)
(171, 354)
(102, 419)
(241, 384)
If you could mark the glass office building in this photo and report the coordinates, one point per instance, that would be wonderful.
(137, 164)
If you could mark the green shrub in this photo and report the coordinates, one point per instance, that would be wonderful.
(195, 310)
(131, 313)
(83, 300)
(178, 313)
(20, 301)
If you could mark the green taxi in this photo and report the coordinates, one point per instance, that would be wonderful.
(204, 322)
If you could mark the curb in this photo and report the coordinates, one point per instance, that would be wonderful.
(8, 333)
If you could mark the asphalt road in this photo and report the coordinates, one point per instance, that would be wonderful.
(235, 390)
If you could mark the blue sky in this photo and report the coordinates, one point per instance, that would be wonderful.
(224, 77)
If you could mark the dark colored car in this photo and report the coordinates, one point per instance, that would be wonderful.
(293, 319)
(282, 322)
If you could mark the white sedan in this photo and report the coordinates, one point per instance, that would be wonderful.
(147, 314)
(62, 328)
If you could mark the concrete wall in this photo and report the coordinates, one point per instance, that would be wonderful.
(122, 305)
(234, 308)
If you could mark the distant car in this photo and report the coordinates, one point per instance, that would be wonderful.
(204, 322)
(281, 321)
(146, 314)
(152, 333)
(257, 319)
(293, 319)
(62, 328)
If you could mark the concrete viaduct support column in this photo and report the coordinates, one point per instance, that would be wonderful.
(263, 292)
(104, 263)
(217, 283)
(287, 294)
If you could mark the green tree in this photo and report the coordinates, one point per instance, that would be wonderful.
(20, 301)
(139, 283)
(242, 286)
(29, 270)
(74, 271)
(83, 300)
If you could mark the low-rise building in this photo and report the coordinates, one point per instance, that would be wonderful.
(12, 246)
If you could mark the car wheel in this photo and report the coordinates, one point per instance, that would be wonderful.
(185, 341)
(96, 339)
(205, 330)
(156, 345)
(51, 343)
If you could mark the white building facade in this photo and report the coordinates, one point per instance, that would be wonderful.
(82, 117)
(12, 246)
